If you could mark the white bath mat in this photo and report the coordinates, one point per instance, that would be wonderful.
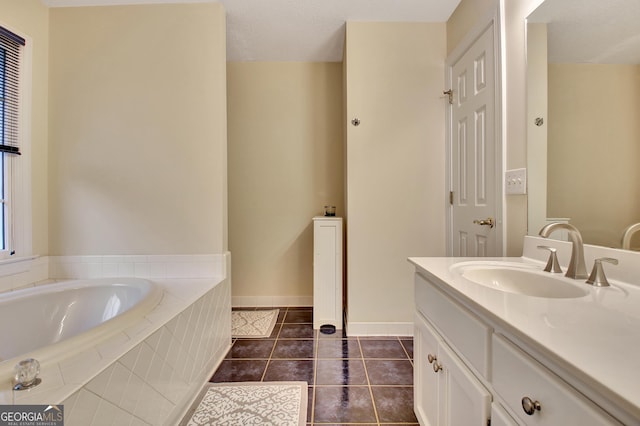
(250, 403)
(248, 324)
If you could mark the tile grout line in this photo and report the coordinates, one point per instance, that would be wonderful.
(406, 351)
(315, 373)
(366, 373)
(275, 342)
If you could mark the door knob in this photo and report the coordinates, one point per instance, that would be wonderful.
(530, 406)
(485, 222)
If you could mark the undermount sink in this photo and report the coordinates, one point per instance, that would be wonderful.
(522, 279)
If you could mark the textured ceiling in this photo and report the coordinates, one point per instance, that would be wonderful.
(591, 31)
(299, 30)
(313, 30)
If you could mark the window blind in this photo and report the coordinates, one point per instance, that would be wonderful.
(10, 51)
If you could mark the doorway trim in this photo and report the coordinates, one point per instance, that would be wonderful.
(495, 19)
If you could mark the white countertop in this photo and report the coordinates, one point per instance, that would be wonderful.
(327, 218)
(595, 337)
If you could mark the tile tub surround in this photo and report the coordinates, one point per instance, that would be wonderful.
(165, 358)
(23, 272)
(18, 273)
(359, 380)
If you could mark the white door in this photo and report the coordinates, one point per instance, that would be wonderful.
(475, 172)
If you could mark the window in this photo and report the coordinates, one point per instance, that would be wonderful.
(11, 47)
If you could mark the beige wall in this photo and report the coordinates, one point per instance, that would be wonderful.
(537, 135)
(514, 12)
(137, 158)
(30, 19)
(285, 164)
(594, 135)
(395, 166)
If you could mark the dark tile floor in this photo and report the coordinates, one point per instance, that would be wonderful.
(361, 381)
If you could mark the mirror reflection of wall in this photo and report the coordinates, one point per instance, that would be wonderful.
(591, 134)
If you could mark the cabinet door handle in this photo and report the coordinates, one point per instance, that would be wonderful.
(434, 360)
(529, 406)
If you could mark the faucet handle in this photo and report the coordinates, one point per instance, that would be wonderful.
(552, 263)
(597, 277)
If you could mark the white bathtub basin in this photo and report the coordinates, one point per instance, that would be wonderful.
(48, 321)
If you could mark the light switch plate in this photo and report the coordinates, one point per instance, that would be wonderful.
(515, 181)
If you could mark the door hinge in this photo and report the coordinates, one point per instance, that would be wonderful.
(489, 421)
(451, 197)
(449, 93)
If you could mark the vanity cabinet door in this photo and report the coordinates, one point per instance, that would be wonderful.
(466, 400)
(445, 390)
(425, 386)
(499, 417)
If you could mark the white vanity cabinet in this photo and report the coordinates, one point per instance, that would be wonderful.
(446, 392)
(468, 372)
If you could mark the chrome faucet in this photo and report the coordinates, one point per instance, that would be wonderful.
(628, 233)
(577, 268)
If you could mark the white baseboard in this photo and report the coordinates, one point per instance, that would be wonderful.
(353, 328)
(270, 301)
(379, 329)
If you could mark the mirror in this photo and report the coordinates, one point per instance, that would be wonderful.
(583, 124)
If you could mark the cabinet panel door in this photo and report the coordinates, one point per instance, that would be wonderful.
(467, 401)
(499, 416)
(425, 386)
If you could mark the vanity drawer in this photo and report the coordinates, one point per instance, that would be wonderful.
(463, 330)
(517, 376)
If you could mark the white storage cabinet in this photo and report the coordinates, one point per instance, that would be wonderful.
(327, 271)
